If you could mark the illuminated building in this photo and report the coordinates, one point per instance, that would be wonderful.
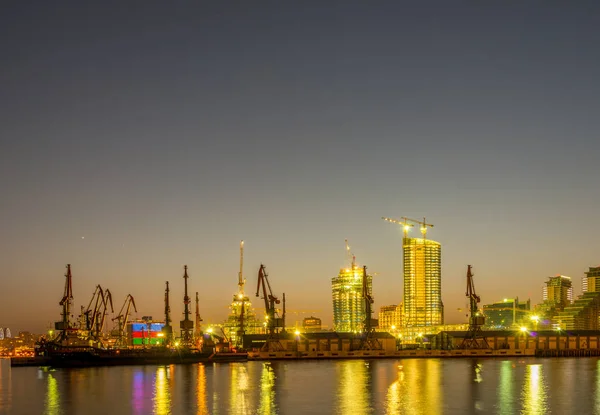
(390, 317)
(592, 280)
(582, 314)
(558, 292)
(348, 302)
(422, 283)
(311, 324)
(506, 314)
(241, 319)
(147, 332)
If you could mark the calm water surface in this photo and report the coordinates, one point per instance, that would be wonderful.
(407, 386)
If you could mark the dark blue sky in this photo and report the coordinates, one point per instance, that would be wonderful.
(136, 139)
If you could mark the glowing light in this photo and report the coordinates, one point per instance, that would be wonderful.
(535, 318)
(160, 334)
(176, 344)
(209, 330)
(240, 296)
(523, 329)
(297, 333)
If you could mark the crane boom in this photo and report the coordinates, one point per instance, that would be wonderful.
(273, 320)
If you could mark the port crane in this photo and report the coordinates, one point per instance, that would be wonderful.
(122, 318)
(167, 329)
(274, 322)
(368, 341)
(64, 326)
(474, 338)
(198, 331)
(186, 325)
(94, 318)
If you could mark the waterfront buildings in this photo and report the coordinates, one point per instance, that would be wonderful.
(348, 301)
(507, 314)
(422, 282)
(558, 291)
(311, 324)
(581, 315)
(592, 280)
(390, 318)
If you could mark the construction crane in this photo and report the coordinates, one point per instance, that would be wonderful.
(474, 338)
(66, 303)
(368, 341)
(273, 321)
(351, 256)
(408, 223)
(122, 319)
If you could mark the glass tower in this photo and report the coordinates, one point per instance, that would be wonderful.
(422, 282)
(348, 302)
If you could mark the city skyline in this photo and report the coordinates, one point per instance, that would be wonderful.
(137, 140)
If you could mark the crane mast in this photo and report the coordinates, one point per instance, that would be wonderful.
(122, 318)
(273, 320)
(474, 338)
(167, 329)
(368, 340)
(198, 332)
(186, 325)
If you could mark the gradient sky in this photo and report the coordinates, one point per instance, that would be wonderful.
(139, 138)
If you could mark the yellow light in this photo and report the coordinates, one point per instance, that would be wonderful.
(523, 329)
(160, 334)
(210, 330)
(297, 333)
(240, 296)
(176, 344)
(406, 228)
(393, 327)
(535, 318)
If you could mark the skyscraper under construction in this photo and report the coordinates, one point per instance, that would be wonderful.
(422, 277)
(348, 300)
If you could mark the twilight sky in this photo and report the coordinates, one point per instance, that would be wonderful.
(136, 138)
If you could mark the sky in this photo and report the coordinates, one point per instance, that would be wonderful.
(137, 138)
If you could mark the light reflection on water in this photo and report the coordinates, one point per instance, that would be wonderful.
(505, 390)
(162, 393)
(354, 387)
(52, 396)
(408, 386)
(416, 389)
(533, 394)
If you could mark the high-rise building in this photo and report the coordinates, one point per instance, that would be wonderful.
(558, 292)
(348, 301)
(422, 283)
(390, 318)
(592, 280)
(581, 315)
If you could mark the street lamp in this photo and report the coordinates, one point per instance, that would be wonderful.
(535, 320)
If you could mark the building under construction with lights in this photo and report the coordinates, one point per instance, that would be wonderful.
(241, 319)
(348, 300)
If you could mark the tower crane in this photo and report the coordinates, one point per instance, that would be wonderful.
(408, 223)
(474, 338)
(122, 319)
(273, 320)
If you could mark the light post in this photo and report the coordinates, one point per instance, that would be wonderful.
(297, 333)
(524, 334)
(535, 320)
